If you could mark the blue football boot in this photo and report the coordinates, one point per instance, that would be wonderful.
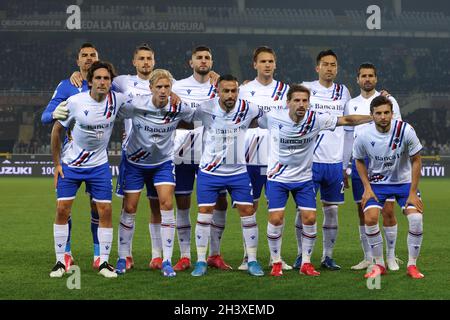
(167, 269)
(298, 262)
(328, 263)
(121, 266)
(254, 268)
(199, 269)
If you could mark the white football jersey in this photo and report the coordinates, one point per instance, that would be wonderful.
(94, 122)
(266, 97)
(132, 86)
(330, 144)
(361, 106)
(388, 153)
(188, 143)
(292, 144)
(224, 136)
(151, 140)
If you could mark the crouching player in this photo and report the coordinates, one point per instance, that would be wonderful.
(84, 159)
(293, 131)
(148, 160)
(393, 149)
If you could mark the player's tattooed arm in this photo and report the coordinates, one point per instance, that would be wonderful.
(76, 79)
(56, 139)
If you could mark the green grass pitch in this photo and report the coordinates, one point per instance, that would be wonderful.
(27, 254)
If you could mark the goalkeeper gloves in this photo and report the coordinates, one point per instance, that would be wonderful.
(61, 112)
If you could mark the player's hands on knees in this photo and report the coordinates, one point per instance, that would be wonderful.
(58, 172)
(346, 185)
(174, 99)
(414, 200)
(213, 77)
(76, 79)
(61, 112)
(368, 194)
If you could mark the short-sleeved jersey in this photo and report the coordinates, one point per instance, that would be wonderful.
(94, 122)
(132, 86)
(388, 153)
(188, 143)
(266, 97)
(224, 136)
(151, 140)
(63, 91)
(329, 144)
(361, 106)
(292, 144)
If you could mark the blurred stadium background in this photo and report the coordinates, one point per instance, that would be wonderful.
(411, 52)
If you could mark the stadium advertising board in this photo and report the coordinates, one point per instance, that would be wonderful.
(42, 166)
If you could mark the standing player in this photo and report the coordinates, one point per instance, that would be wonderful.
(265, 92)
(393, 170)
(188, 143)
(57, 110)
(84, 159)
(327, 96)
(222, 165)
(293, 131)
(135, 86)
(367, 81)
(149, 159)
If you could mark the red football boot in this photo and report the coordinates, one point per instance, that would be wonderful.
(277, 269)
(216, 261)
(68, 261)
(308, 270)
(375, 271)
(155, 264)
(129, 263)
(183, 264)
(414, 273)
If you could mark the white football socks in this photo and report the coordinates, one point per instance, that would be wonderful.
(217, 229)
(202, 234)
(60, 234)
(415, 235)
(375, 241)
(184, 232)
(126, 230)
(167, 233)
(309, 236)
(330, 229)
(105, 238)
(155, 235)
(250, 231)
(274, 234)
